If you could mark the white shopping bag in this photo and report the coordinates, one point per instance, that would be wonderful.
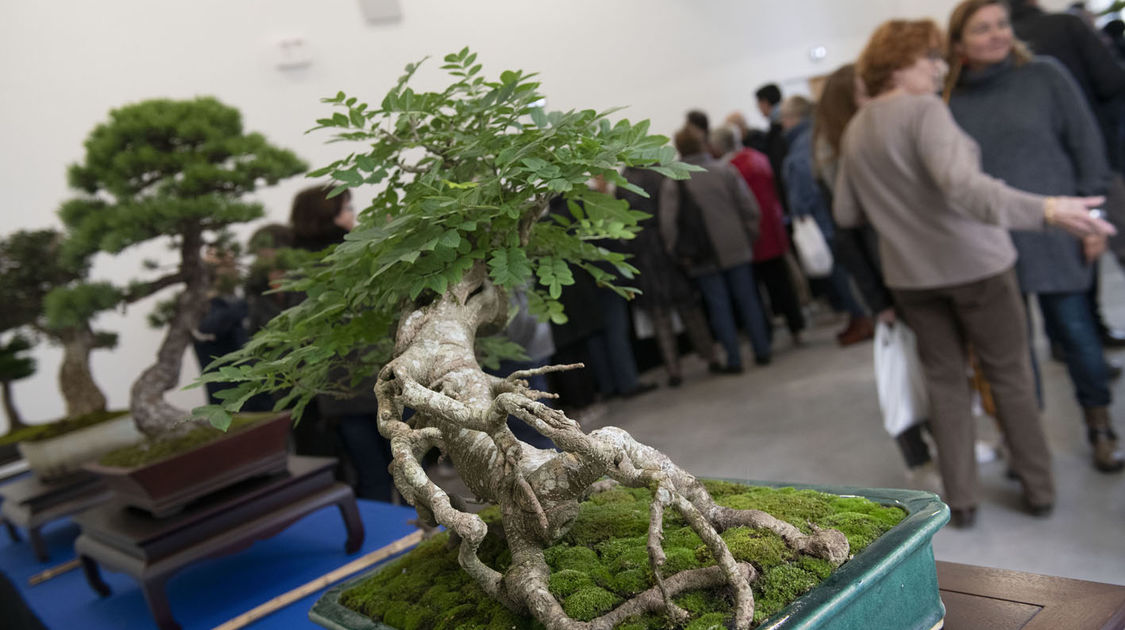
(898, 378)
(812, 249)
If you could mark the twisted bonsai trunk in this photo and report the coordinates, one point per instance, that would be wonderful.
(15, 421)
(82, 394)
(463, 412)
(153, 415)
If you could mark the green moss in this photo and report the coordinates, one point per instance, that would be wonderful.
(631, 582)
(590, 579)
(589, 602)
(710, 621)
(40, 432)
(151, 451)
(700, 602)
(565, 582)
(779, 586)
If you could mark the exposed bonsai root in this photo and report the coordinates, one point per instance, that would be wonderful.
(463, 412)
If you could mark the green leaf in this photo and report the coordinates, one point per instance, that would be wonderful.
(539, 117)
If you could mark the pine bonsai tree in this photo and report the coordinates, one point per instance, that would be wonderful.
(167, 169)
(34, 279)
(468, 173)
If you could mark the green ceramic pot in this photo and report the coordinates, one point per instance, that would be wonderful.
(890, 585)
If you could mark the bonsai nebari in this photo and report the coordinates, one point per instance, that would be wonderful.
(468, 173)
(49, 294)
(176, 170)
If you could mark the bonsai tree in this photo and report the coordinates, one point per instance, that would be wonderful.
(35, 278)
(14, 365)
(175, 170)
(468, 173)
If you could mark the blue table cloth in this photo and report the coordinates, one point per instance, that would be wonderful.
(210, 592)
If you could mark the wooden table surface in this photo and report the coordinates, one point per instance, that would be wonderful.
(978, 598)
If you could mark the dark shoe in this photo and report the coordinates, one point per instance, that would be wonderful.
(962, 518)
(730, 369)
(1102, 438)
(715, 368)
(859, 329)
(675, 381)
(1113, 337)
(641, 388)
(762, 360)
(1040, 510)
(1113, 369)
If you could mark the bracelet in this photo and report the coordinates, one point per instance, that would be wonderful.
(1049, 210)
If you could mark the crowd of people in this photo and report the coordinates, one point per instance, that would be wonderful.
(953, 176)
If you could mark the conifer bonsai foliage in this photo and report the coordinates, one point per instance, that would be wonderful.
(469, 172)
(176, 170)
(48, 294)
(15, 364)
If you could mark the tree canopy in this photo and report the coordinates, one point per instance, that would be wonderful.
(467, 174)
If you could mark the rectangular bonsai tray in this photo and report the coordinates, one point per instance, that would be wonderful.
(890, 585)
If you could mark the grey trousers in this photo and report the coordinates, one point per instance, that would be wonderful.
(989, 314)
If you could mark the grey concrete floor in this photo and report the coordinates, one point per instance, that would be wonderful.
(812, 417)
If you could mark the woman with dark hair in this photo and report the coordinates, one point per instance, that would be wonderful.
(318, 221)
(1037, 133)
(907, 168)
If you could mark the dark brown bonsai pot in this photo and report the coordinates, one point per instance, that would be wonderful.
(165, 486)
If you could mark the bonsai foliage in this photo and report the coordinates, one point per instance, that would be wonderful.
(14, 365)
(164, 169)
(48, 294)
(468, 173)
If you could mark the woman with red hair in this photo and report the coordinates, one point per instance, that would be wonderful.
(908, 169)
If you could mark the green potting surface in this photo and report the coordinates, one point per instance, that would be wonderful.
(603, 560)
(40, 432)
(150, 451)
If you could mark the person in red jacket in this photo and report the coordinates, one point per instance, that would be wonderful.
(770, 267)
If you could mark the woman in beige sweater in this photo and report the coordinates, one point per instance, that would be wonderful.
(907, 168)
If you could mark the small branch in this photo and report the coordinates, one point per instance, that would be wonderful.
(142, 291)
(546, 369)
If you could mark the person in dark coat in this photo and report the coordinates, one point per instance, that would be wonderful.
(711, 222)
(777, 146)
(1071, 41)
(665, 289)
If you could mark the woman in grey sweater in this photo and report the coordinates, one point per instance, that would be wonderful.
(1037, 133)
(909, 170)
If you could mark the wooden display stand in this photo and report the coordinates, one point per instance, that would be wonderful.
(152, 550)
(998, 599)
(31, 504)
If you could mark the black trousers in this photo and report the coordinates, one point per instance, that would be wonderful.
(773, 276)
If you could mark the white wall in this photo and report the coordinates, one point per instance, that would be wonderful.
(64, 64)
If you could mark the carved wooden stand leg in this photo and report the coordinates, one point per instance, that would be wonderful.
(94, 576)
(157, 599)
(38, 545)
(350, 513)
(12, 532)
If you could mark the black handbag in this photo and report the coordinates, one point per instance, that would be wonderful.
(693, 244)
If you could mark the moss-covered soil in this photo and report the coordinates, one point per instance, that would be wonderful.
(40, 432)
(151, 451)
(603, 561)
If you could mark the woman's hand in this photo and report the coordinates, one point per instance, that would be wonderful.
(887, 316)
(1093, 245)
(1074, 215)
